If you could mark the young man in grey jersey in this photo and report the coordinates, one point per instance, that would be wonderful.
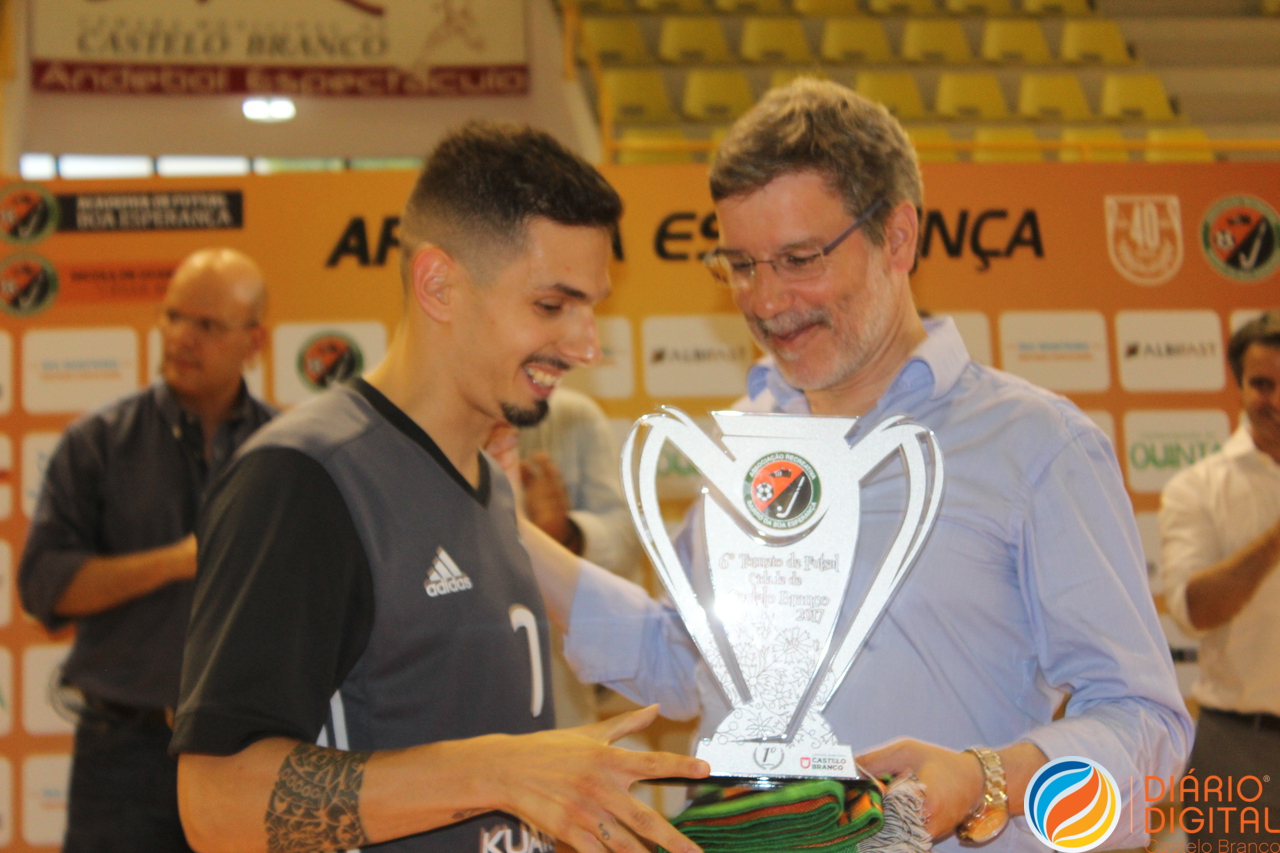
(367, 659)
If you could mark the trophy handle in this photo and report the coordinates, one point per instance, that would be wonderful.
(639, 485)
(924, 494)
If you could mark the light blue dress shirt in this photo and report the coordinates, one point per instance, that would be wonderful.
(1031, 586)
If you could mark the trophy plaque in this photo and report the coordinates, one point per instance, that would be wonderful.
(781, 508)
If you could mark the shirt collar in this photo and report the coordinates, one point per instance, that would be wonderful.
(942, 357)
(177, 414)
(1241, 444)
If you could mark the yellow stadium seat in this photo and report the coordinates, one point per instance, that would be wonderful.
(932, 136)
(678, 7)
(1135, 96)
(1053, 97)
(934, 40)
(775, 40)
(1093, 40)
(825, 8)
(1090, 154)
(614, 40)
(785, 77)
(970, 96)
(897, 90)
(692, 40)
(638, 96)
(983, 152)
(1178, 155)
(902, 7)
(716, 95)
(1006, 40)
(1058, 7)
(750, 7)
(978, 7)
(860, 40)
(632, 156)
(590, 6)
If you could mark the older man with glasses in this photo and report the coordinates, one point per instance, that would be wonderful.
(111, 548)
(1031, 587)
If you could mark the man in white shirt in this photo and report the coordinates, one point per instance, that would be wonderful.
(1220, 547)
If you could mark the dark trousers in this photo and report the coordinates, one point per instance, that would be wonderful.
(1235, 746)
(124, 787)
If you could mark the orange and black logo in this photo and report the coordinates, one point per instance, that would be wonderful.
(1238, 236)
(28, 284)
(781, 490)
(28, 214)
(329, 358)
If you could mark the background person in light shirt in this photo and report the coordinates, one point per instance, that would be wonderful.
(1219, 549)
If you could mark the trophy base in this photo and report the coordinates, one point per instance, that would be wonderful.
(769, 761)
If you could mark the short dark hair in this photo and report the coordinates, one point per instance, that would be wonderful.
(820, 126)
(1263, 330)
(483, 183)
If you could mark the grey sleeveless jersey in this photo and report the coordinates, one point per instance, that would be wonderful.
(459, 645)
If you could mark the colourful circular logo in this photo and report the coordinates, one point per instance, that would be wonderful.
(329, 358)
(28, 213)
(28, 284)
(782, 491)
(1072, 804)
(1239, 237)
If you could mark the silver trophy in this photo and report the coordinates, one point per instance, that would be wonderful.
(781, 514)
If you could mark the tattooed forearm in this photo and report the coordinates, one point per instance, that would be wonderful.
(315, 803)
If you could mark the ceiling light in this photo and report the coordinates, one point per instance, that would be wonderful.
(269, 109)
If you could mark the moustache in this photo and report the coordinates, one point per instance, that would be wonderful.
(787, 324)
(549, 361)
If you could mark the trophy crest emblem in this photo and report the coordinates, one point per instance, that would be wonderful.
(766, 606)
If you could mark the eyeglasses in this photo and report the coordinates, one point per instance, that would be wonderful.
(206, 326)
(799, 264)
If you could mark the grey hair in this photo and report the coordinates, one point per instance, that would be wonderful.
(820, 126)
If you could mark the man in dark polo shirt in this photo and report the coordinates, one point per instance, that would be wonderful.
(112, 548)
(367, 660)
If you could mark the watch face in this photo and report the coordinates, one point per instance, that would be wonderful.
(985, 824)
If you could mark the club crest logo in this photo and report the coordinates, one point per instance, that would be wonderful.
(28, 284)
(782, 491)
(1144, 237)
(1072, 804)
(329, 358)
(28, 214)
(1238, 236)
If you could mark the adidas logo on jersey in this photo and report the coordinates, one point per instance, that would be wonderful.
(445, 576)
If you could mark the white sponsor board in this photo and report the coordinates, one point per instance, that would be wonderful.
(1105, 421)
(1161, 442)
(1058, 350)
(7, 588)
(7, 476)
(309, 357)
(614, 376)
(6, 802)
(6, 373)
(1239, 318)
(41, 679)
(37, 449)
(65, 371)
(6, 690)
(704, 355)
(44, 798)
(975, 331)
(1170, 351)
(310, 47)
(254, 374)
(1149, 532)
